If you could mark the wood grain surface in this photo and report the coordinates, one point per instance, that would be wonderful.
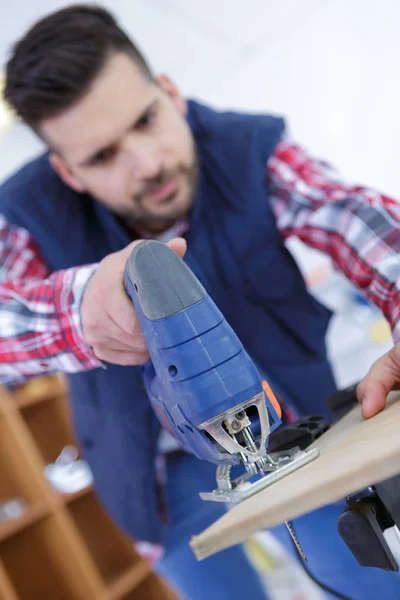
(354, 454)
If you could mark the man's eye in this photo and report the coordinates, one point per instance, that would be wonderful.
(103, 156)
(146, 120)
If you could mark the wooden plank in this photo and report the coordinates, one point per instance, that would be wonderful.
(40, 389)
(354, 454)
(129, 580)
(30, 516)
(7, 591)
(67, 498)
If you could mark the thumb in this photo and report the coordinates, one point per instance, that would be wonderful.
(382, 378)
(178, 245)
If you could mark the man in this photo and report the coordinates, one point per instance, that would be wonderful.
(129, 158)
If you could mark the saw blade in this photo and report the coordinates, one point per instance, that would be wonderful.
(295, 539)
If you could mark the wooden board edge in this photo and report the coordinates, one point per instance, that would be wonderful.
(210, 541)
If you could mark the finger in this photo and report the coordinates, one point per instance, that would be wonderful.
(178, 245)
(373, 398)
(117, 357)
(110, 334)
(122, 312)
(131, 344)
(131, 341)
(382, 378)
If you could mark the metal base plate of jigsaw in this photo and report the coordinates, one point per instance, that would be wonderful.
(232, 430)
(240, 489)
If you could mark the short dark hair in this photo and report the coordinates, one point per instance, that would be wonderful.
(57, 60)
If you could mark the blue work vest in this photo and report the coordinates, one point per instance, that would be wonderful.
(234, 248)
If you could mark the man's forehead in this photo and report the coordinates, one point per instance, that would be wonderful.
(116, 99)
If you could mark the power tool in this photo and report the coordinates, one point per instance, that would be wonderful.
(201, 382)
(370, 525)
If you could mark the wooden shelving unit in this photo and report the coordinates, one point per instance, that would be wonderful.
(64, 546)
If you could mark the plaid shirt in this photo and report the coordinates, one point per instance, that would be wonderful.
(359, 228)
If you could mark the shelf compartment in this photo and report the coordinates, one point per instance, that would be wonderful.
(39, 566)
(152, 588)
(129, 580)
(67, 498)
(32, 515)
(50, 426)
(39, 389)
(7, 591)
(111, 550)
(16, 477)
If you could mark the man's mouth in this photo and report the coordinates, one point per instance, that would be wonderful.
(164, 192)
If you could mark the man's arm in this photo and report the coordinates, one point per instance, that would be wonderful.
(68, 320)
(40, 324)
(359, 228)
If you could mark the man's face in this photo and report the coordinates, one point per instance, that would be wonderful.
(127, 143)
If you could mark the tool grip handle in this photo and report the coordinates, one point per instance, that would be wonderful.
(157, 278)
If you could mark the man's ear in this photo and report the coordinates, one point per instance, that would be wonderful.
(64, 171)
(170, 88)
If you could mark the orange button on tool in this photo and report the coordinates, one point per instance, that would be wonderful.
(272, 398)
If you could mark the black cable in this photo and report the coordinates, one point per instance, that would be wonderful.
(311, 576)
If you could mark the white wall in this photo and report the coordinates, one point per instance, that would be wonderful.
(331, 67)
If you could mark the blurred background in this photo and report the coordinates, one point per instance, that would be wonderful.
(330, 67)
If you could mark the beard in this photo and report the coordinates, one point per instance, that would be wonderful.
(145, 217)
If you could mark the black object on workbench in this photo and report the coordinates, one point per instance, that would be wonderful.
(299, 434)
(342, 401)
(361, 527)
(370, 511)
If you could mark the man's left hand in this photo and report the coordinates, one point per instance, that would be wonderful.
(382, 378)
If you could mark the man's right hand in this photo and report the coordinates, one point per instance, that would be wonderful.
(109, 320)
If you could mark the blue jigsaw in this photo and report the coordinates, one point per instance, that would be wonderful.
(201, 382)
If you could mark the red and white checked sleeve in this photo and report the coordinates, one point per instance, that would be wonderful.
(40, 325)
(358, 227)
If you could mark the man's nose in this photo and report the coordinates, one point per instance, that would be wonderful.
(143, 158)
